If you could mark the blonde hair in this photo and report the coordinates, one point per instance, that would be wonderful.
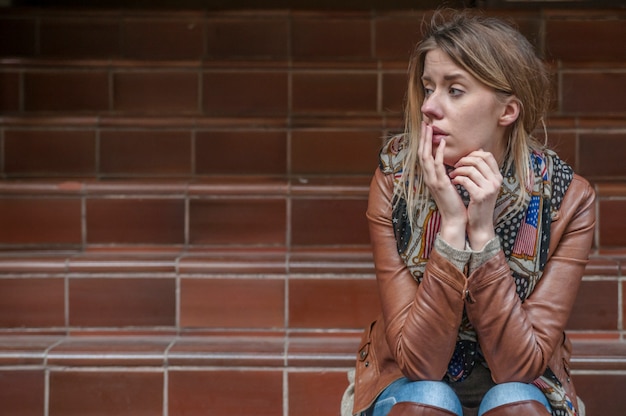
(498, 56)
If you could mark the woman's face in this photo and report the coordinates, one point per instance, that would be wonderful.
(462, 110)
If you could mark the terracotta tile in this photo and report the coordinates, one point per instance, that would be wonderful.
(228, 350)
(352, 152)
(151, 221)
(334, 92)
(126, 152)
(66, 91)
(154, 92)
(394, 92)
(332, 260)
(324, 37)
(232, 303)
(79, 38)
(22, 392)
(9, 91)
(396, 36)
(21, 31)
(32, 302)
(610, 189)
(169, 187)
(109, 351)
(585, 40)
(244, 93)
(119, 302)
(248, 37)
(42, 263)
(603, 394)
(110, 393)
(237, 221)
(579, 337)
(602, 267)
(595, 307)
(224, 393)
(258, 152)
(332, 303)
(171, 38)
(236, 260)
(332, 186)
(328, 388)
(599, 354)
(600, 154)
(245, 185)
(323, 350)
(29, 349)
(329, 221)
(612, 227)
(40, 221)
(124, 260)
(593, 93)
(50, 153)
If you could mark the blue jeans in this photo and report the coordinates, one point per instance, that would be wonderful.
(439, 394)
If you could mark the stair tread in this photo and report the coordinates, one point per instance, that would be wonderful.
(232, 349)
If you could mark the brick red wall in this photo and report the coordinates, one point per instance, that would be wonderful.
(273, 87)
(287, 94)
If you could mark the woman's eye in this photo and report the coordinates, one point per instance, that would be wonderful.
(428, 91)
(455, 92)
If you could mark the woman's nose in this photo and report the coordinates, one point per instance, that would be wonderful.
(431, 108)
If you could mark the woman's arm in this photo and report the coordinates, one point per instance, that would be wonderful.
(518, 339)
(421, 321)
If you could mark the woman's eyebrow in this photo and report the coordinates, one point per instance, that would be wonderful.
(447, 77)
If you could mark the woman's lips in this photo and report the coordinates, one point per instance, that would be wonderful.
(438, 135)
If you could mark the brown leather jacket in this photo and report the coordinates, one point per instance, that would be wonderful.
(416, 334)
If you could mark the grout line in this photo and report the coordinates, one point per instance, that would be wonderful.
(46, 392)
(165, 390)
(285, 393)
(166, 378)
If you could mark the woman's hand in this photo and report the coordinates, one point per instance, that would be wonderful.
(480, 175)
(454, 215)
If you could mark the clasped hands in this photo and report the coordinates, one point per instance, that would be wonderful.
(478, 172)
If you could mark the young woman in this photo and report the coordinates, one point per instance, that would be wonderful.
(480, 238)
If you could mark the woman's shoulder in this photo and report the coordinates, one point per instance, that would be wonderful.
(392, 154)
(581, 188)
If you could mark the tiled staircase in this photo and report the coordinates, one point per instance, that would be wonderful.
(183, 195)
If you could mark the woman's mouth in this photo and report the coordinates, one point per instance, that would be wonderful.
(438, 135)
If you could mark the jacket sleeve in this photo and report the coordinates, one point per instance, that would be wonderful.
(421, 321)
(518, 339)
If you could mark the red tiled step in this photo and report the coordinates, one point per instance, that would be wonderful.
(276, 364)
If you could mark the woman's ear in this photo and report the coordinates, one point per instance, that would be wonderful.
(510, 111)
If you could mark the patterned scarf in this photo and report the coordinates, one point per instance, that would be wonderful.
(524, 236)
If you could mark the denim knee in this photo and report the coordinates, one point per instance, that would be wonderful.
(506, 393)
(433, 393)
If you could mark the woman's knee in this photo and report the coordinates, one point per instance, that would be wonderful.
(432, 393)
(507, 393)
